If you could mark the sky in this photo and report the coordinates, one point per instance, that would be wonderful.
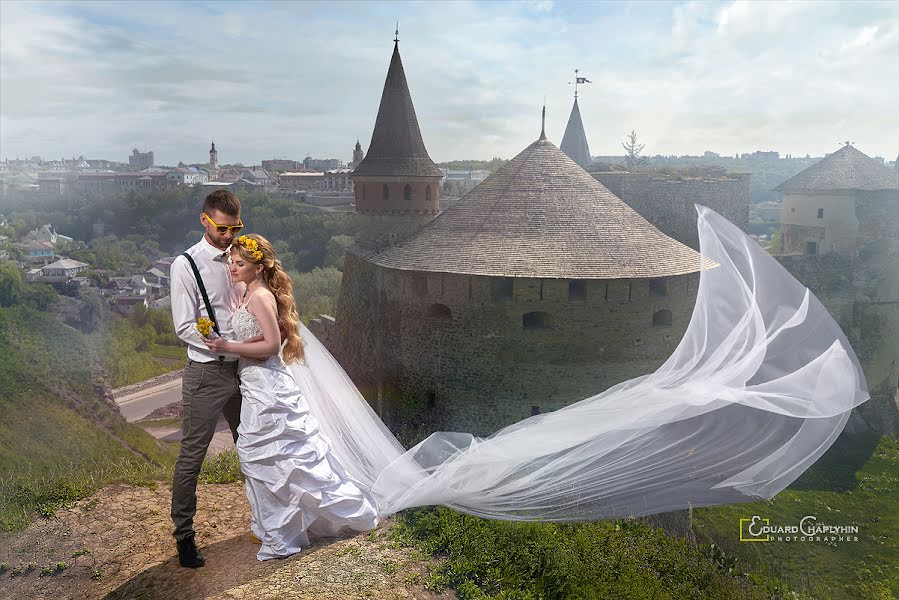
(287, 80)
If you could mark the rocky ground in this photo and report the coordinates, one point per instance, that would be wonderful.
(117, 544)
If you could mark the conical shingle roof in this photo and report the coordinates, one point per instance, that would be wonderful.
(845, 169)
(396, 147)
(541, 215)
(574, 142)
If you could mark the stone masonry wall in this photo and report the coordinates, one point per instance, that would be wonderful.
(667, 202)
(862, 293)
(451, 351)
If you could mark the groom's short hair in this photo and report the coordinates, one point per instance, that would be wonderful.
(223, 201)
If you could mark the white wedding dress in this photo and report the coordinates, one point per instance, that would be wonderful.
(293, 481)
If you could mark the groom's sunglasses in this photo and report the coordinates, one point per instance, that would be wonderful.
(223, 228)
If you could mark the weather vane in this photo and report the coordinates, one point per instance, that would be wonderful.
(397, 33)
(577, 81)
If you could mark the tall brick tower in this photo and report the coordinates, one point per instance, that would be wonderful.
(358, 155)
(213, 158)
(397, 183)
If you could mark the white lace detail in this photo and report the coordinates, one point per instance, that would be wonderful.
(244, 324)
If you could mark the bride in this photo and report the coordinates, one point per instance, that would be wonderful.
(293, 481)
(761, 385)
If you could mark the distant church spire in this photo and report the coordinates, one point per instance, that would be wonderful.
(213, 157)
(574, 142)
(543, 122)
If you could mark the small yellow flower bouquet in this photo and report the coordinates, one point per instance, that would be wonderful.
(204, 326)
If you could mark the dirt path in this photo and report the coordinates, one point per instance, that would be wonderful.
(117, 544)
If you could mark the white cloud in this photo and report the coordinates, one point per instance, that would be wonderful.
(287, 79)
(864, 37)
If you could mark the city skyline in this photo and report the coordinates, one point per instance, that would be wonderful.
(290, 80)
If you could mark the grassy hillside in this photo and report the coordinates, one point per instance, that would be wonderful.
(855, 483)
(59, 440)
(504, 560)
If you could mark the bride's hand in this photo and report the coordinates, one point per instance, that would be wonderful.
(218, 344)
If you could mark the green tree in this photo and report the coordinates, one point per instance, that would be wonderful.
(40, 295)
(337, 249)
(316, 292)
(633, 150)
(92, 311)
(11, 284)
(775, 246)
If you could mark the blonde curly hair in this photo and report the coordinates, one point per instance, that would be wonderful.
(256, 249)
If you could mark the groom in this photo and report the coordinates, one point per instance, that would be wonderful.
(210, 386)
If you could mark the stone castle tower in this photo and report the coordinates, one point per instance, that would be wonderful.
(213, 158)
(396, 184)
(840, 238)
(538, 289)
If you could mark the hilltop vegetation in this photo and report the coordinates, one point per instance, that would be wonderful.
(60, 437)
(138, 225)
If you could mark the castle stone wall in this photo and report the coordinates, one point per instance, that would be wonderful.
(667, 202)
(459, 352)
(860, 288)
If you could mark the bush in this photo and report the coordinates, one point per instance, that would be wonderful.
(316, 292)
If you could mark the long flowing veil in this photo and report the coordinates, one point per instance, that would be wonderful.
(758, 389)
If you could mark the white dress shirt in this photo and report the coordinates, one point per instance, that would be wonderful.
(187, 302)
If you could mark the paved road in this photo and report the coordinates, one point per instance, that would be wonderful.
(137, 405)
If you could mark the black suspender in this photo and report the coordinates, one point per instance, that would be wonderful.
(209, 309)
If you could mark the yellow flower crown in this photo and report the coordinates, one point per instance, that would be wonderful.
(251, 245)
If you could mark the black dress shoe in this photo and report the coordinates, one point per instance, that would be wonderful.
(188, 554)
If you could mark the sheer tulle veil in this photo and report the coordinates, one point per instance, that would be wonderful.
(758, 389)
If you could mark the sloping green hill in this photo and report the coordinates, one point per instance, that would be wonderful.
(60, 438)
(856, 483)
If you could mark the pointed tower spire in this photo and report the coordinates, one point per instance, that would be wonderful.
(543, 122)
(397, 183)
(396, 146)
(574, 142)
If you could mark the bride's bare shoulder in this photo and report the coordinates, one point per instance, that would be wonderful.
(263, 296)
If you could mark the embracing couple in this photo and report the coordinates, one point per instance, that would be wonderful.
(293, 482)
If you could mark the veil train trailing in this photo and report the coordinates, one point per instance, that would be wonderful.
(761, 385)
